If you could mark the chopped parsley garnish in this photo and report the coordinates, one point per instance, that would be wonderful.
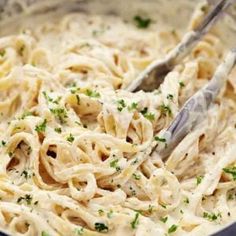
(49, 99)
(163, 205)
(165, 110)
(92, 93)
(41, 127)
(150, 209)
(230, 197)
(27, 198)
(79, 231)
(21, 50)
(136, 176)
(149, 116)
(25, 114)
(133, 106)
(109, 214)
(25, 174)
(141, 22)
(164, 219)
(181, 84)
(2, 52)
(204, 8)
(45, 234)
(101, 227)
(60, 113)
(74, 90)
(144, 111)
(135, 161)
(170, 97)
(29, 150)
(101, 212)
(159, 139)
(135, 222)
(114, 163)
(58, 130)
(211, 216)
(78, 99)
(10, 154)
(172, 229)
(231, 170)
(199, 179)
(186, 200)
(121, 104)
(70, 138)
(3, 143)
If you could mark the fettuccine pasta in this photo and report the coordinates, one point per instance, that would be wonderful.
(75, 145)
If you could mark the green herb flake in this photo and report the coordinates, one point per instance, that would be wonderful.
(159, 139)
(49, 99)
(170, 97)
(211, 216)
(133, 106)
(78, 99)
(144, 111)
(150, 209)
(135, 222)
(181, 84)
(10, 154)
(142, 22)
(204, 8)
(25, 114)
(164, 219)
(136, 176)
(21, 50)
(70, 138)
(186, 200)
(114, 163)
(2, 52)
(135, 161)
(172, 229)
(109, 214)
(101, 227)
(121, 105)
(3, 143)
(60, 113)
(101, 212)
(149, 116)
(231, 170)
(41, 127)
(44, 233)
(92, 93)
(163, 205)
(58, 130)
(199, 179)
(29, 150)
(165, 110)
(27, 198)
(25, 174)
(74, 90)
(79, 231)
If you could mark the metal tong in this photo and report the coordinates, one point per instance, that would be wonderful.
(195, 109)
(154, 74)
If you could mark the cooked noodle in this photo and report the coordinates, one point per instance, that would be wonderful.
(75, 145)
